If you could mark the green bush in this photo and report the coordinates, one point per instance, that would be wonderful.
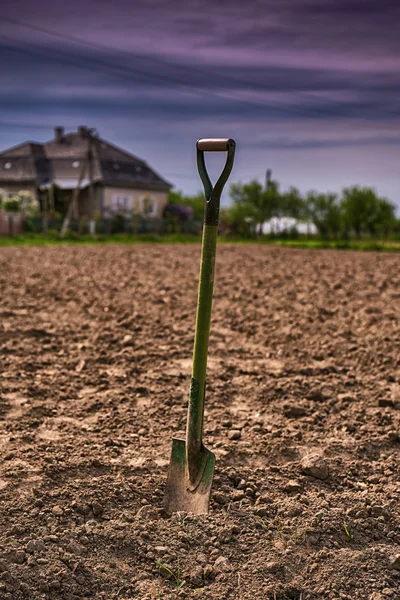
(118, 224)
(84, 225)
(71, 235)
(12, 205)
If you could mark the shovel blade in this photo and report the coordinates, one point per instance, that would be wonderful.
(178, 495)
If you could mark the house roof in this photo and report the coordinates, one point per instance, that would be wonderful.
(61, 159)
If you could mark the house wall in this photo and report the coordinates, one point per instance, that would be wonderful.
(84, 201)
(14, 188)
(137, 198)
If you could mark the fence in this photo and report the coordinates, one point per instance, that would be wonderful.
(116, 224)
(11, 223)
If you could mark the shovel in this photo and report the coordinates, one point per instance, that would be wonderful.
(191, 468)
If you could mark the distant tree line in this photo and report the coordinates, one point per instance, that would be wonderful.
(356, 212)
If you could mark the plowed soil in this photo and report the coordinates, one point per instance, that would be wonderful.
(303, 411)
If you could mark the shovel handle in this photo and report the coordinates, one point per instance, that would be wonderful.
(194, 432)
(213, 193)
(213, 144)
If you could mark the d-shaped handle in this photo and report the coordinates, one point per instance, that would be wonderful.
(213, 194)
(213, 144)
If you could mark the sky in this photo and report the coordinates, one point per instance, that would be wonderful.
(307, 88)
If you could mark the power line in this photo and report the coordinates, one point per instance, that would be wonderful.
(152, 59)
(130, 54)
(69, 59)
(121, 71)
(118, 72)
(22, 124)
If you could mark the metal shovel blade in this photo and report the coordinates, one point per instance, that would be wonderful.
(180, 495)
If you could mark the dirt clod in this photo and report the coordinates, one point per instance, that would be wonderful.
(315, 466)
(293, 487)
(395, 562)
(220, 498)
(97, 509)
(272, 566)
(222, 565)
(196, 576)
(16, 556)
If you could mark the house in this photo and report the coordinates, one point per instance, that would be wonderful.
(111, 179)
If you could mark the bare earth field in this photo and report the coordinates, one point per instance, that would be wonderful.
(303, 413)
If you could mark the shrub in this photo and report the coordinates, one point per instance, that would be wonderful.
(12, 204)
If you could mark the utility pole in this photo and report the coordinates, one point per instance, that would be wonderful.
(92, 222)
(43, 201)
(268, 177)
(73, 207)
(268, 181)
(51, 197)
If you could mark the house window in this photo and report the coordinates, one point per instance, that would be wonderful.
(149, 206)
(120, 202)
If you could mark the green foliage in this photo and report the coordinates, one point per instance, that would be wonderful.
(386, 219)
(365, 212)
(22, 202)
(118, 223)
(358, 211)
(196, 202)
(293, 205)
(325, 212)
(175, 575)
(29, 205)
(239, 221)
(84, 224)
(254, 204)
(72, 237)
(347, 532)
(11, 204)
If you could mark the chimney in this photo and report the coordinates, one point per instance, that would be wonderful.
(58, 133)
(82, 131)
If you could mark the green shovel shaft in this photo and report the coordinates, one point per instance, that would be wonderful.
(203, 320)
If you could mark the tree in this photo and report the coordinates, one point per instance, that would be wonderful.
(196, 202)
(384, 221)
(325, 212)
(293, 204)
(252, 201)
(360, 208)
(239, 221)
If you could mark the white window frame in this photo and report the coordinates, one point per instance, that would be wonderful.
(154, 209)
(121, 202)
